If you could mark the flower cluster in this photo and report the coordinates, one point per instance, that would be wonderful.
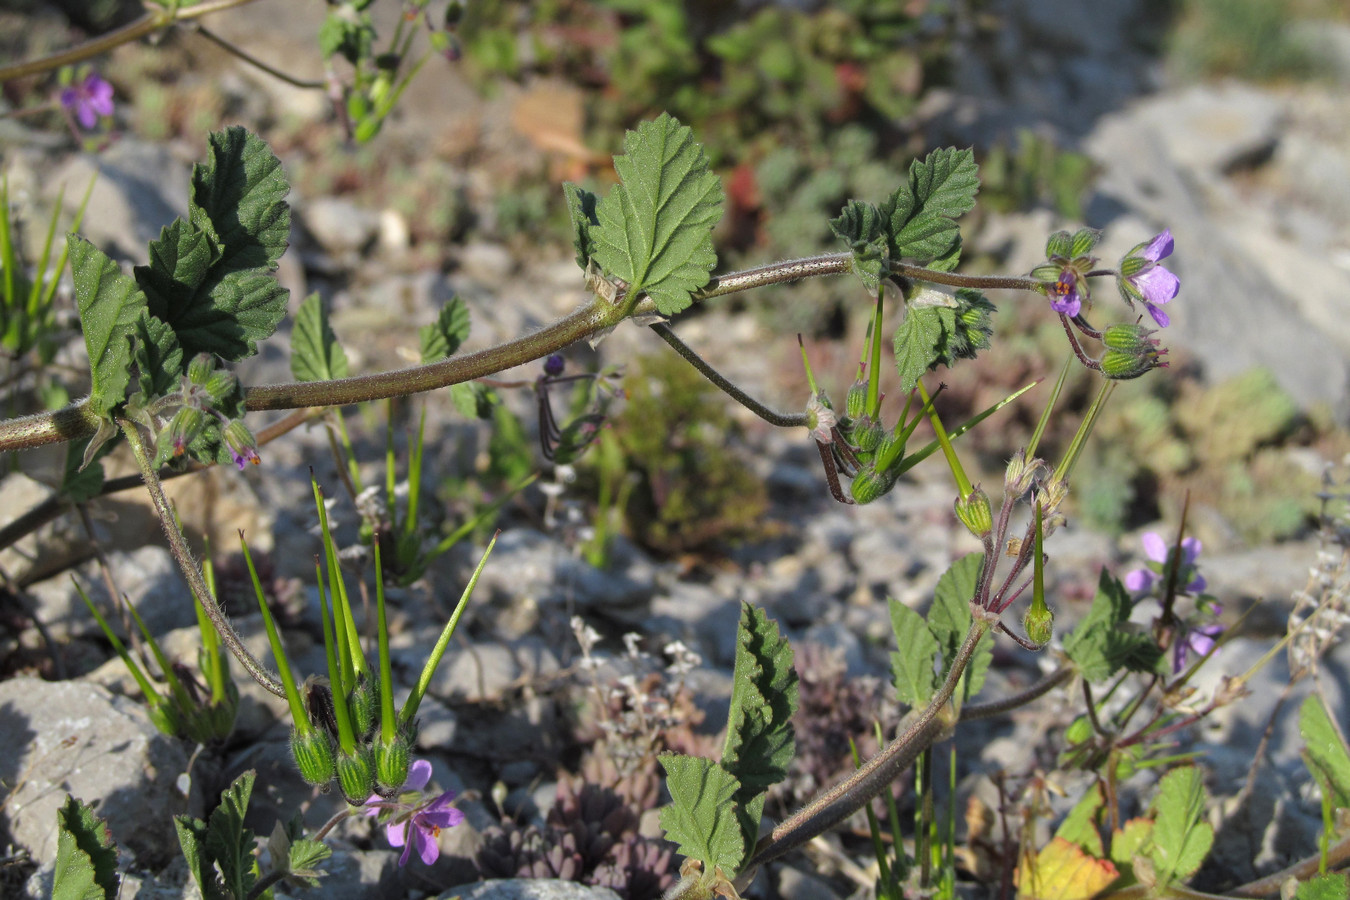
(206, 421)
(1173, 569)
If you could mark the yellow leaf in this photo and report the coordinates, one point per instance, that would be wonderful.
(1062, 871)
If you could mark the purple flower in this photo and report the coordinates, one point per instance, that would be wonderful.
(1141, 581)
(1143, 279)
(88, 100)
(1066, 297)
(241, 444)
(1198, 640)
(418, 826)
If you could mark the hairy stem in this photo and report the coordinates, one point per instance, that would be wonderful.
(772, 416)
(145, 25)
(973, 711)
(191, 571)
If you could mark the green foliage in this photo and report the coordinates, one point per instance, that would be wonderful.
(581, 210)
(692, 489)
(1258, 40)
(1331, 886)
(715, 808)
(701, 818)
(1325, 753)
(1103, 643)
(86, 858)
(110, 307)
(921, 214)
(861, 227)
(295, 854)
(442, 338)
(1032, 173)
(316, 354)
(655, 227)
(1180, 839)
(759, 744)
(912, 665)
(950, 618)
(219, 852)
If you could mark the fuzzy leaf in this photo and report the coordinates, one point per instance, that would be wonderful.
(228, 842)
(240, 197)
(1180, 840)
(474, 400)
(862, 228)
(701, 817)
(655, 228)
(159, 358)
(192, 840)
(921, 213)
(110, 304)
(1325, 753)
(1331, 886)
(443, 337)
(581, 209)
(316, 354)
(918, 340)
(1130, 841)
(760, 742)
(180, 261)
(86, 858)
(949, 619)
(1062, 871)
(912, 665)
(237, 310)
(1101, 643)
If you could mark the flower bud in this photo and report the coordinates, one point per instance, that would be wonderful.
(869, 485)
(241, 443)
(391, 767)
(1059, 244)
(1123, 365)
(1021, 474)
(221, 385)
(1039, 624)
(1129, 337)
(868, 436)
(975, 513)
(365, 706)
(1082, 242)
(355, 776)
(200, 368)
(554, 364)
(313, 754)
(183, 429)
(855, 402)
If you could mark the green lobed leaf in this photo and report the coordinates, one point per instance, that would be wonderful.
(581, 210)
(228, 843)
(917, 341)
(1325, 754)
(245, 306)
(655, 226)
(110, 305)
(158, 357)
(912, 665)
(1331, 886)
(239, 196)
(296, 855)
(192, 839)
(862, 228)
(921, 213)
(86, 858)
(443, 337)
(1102, 643)
(701, 818)
(949, 619)
(180, 262)
(316, 354)
(760, 740)
(1180, 840)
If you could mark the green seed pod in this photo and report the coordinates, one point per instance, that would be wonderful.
(868, 435)
(975, 513)
(855, 402)
(1039, 624)
(365, 706)
(355, 776)
(1122, 365)
(869, 484)
(391, 767)
(313, 754)
(200, 368)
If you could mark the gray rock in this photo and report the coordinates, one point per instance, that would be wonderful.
(51, 548)
(480, 671)
(368, 874)
(340, 226)
(529, 889)
(794, 884)
(487, 262)
(72, 737)
(150, 579)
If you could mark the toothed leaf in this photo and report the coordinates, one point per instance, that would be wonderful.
(316, 354)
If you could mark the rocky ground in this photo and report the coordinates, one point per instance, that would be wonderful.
(1253, 181)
